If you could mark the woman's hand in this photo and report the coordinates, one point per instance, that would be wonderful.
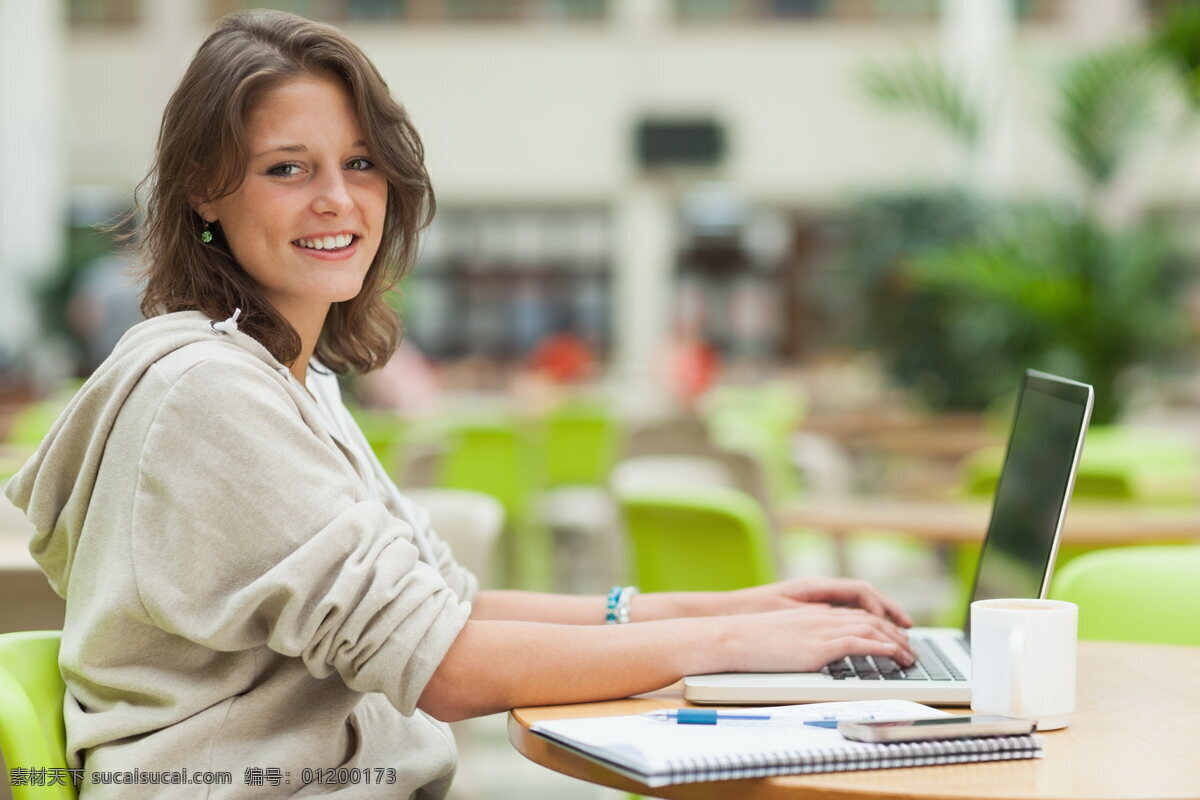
(798, 592)
(809, 636)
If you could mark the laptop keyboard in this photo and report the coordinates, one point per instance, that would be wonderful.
(932, 665)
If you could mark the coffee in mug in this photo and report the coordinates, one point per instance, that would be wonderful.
(1023, 659)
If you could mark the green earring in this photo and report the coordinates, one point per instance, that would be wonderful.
(206, 234)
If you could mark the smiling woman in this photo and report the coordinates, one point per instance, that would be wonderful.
(282, 130)
(247, 591)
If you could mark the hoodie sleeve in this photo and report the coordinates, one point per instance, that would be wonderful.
(464, 583)
(252, 529)
(460, 579)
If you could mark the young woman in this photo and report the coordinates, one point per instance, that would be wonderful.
(246, 590)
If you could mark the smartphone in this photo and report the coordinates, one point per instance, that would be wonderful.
(919, 730)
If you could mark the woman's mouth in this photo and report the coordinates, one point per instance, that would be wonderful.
(339, 242)
(328, 247)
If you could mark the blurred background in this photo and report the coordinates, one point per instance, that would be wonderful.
(795, 253)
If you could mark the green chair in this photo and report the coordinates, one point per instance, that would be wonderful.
(1135, 594)
(32, 735)
(493, 457)
(710, 539)
(497, 458)
(385, 431)
(758, 420)
(579, 444)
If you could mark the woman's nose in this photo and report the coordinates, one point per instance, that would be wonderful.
(332, 195)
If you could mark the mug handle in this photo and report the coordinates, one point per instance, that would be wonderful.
(1016, 658)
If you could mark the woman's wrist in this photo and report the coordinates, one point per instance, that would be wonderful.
(677, 605)
(695, 645)
(723, 650)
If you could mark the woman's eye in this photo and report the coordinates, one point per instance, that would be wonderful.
(360, 164)
(284, 170)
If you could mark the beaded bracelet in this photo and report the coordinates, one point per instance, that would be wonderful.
(610, 614)
(619, 600)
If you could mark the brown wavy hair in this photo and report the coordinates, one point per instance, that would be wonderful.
(202, 152)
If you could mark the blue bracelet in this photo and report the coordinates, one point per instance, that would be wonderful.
(614, 595)
(619, 600)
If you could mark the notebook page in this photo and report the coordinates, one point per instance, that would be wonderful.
(652, 746)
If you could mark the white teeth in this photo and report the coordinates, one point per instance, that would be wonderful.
(327, 242)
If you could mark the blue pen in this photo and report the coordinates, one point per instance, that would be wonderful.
(707, 716)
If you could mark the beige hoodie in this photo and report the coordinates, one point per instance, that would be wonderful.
(241, 596)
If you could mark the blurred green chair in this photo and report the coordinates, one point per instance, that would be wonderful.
(1135, 594)
(579, 444)
(32, 733)
(492, 456)
(498, 457)
(758, 420)
(707, 539)
(579, 439)
(385, 432)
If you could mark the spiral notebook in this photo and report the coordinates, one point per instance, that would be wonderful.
(659, 753)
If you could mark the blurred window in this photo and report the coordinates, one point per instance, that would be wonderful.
(103, 13)
(495, 281)
(884, 11)
(739, 282)
(436, 11)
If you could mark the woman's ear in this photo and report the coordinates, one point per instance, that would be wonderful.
(203, 207)
(200, 202)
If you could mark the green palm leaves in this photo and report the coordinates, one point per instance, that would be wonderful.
(927, 88)
(1045, 284)
(1107, 105)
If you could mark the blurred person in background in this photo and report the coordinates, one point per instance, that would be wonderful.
(245, 586)
(558, 364)
(689, 364)
(563, 358)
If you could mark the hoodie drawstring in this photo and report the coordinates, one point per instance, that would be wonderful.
(227, 325)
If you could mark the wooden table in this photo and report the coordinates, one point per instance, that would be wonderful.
(945, 523)
(1092, 523)
(1132, 737)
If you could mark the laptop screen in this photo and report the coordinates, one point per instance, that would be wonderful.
(1034, 486)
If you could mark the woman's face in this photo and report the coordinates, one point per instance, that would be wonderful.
(307, 220)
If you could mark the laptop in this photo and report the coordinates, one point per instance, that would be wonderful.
(1017, 560)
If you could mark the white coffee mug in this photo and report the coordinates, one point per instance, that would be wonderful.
(1023, 659)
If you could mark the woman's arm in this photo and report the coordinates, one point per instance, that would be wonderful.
(565, 609)
(495, 665)
(588, 610)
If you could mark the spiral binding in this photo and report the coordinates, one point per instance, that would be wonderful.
(841, 759)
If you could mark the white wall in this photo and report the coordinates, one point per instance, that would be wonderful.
(522, 112)
(546, 114)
